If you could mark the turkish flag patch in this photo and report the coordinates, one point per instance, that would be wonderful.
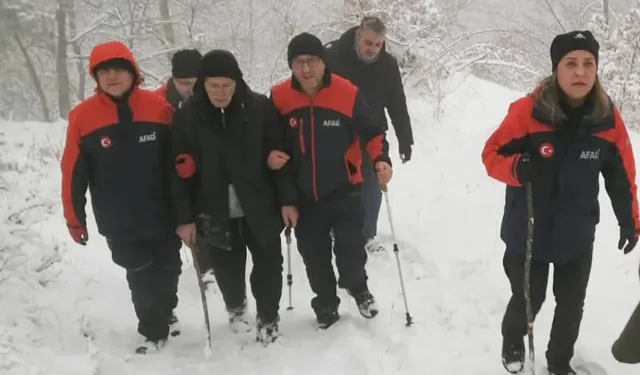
(185, 165)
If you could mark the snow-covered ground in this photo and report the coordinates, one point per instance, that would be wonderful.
(447, 214)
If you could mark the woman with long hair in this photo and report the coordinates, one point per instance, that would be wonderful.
(557, 141)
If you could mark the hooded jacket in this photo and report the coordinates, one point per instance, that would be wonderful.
(118, 149)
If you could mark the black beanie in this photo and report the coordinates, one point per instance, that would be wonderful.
(575, 40)
(185, 63)
(220, 63)
(304, 44)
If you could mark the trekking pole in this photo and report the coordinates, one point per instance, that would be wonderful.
(287, 234)
(203, 296)
(527, 270)
(396, 251)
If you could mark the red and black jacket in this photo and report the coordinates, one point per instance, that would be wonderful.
(323, 135)
(120, 151)
(571, 157)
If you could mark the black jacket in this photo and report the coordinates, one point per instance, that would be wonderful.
(227, 148)
(380, 83)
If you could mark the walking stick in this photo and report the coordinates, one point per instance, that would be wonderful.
(396, 251)
(527, 271)
(203, 296)
(287, 234)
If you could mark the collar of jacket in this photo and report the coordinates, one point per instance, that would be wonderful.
(586, 125)
(123, 99)
(326, 81)
(172, 95)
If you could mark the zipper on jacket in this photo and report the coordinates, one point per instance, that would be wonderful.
(301, 136)
(224, 121)
(312, 139)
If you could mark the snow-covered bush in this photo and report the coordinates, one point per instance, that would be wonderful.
(620, 61)
(33, 314)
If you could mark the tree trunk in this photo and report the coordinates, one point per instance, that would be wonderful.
(167, 26)
(34, 77)
(62, 73)
(606, 11)
(75, 46)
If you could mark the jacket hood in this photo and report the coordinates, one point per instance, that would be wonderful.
(109, 51)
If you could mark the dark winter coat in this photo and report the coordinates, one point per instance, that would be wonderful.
(379, 82)
(120, 151)
(626, 348)
(569, 158)
(214, 149)
(323, 136)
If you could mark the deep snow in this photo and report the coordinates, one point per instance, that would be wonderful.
(447, 214)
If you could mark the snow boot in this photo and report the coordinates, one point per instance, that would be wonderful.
(373, 246)
(150, 346)
(174, 325)
(326, 318)
(513, 353)
(560, 369)
(238, 319)
(366, 302)
(267, 332)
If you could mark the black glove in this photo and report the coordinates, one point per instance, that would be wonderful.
(628, 235)
(526, 169)
(405, 152)
(215, 235)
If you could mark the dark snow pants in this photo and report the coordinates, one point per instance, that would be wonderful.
(345, 215)
(266, 275)
(153, 270)
(626, 348)
(570, 282)
(371, 198)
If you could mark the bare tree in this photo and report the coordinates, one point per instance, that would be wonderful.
(62, 72)
(167, 25)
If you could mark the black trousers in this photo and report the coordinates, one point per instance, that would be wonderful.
(570, 282)
(343, 214)
(153, 270)
(266, 275)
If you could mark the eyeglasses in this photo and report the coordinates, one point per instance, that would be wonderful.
(312, 62)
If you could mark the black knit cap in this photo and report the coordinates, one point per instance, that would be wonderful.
(185, 63)
(575, 40)
(304, 44)
(220, 63)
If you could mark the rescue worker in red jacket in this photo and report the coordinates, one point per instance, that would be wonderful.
(117, 145)
(559, 140)
(184, 72)
(324, 118)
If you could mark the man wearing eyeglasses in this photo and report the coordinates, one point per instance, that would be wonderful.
(326, 123)
(360, 56)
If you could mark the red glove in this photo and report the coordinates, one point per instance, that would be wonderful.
(79, 234)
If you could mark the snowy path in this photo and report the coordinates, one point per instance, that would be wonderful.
(447, 216)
